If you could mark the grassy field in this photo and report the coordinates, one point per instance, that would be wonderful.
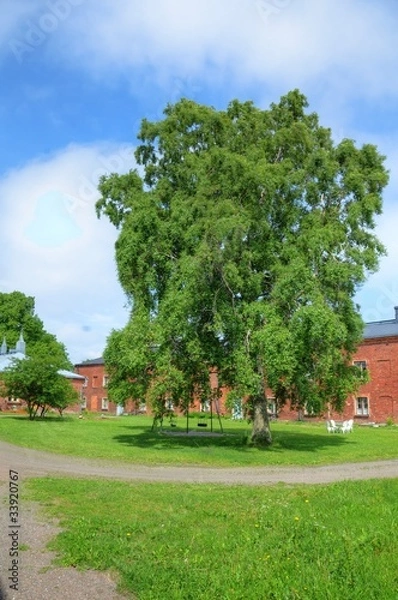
(206, 542)
(186, 542)
(130, 439)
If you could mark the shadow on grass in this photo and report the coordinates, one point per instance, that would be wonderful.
(237, 440)
(46, 419)
(308, 442)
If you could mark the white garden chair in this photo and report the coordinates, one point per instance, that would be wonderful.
(331, 426)
(347, 426)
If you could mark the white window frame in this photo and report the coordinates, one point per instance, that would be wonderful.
(104, 404)
(205, 406)
(362, 406)
(361, 364)
(105, 381)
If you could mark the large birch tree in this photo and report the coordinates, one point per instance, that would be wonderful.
(244, 235)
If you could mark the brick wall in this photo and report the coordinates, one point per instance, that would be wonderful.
(94, 390)
(381, 393)
(381, 356)
(77, 385)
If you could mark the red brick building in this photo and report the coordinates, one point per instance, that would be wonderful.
(95, 394)
(375, 401)
(94, 397)
(378, 400)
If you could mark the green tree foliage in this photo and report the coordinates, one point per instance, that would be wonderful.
(37, 381)
(17, 314)
(244, 236)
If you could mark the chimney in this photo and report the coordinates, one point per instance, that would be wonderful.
(396, 313)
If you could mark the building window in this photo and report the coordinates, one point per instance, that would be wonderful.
(271, 407)
(105, 381)
(310, 411)
(361, 364)
(95, 381)
(105, 404)
(237, 410)
(205, 406)
(13, 400)
(362, 407)
(84, 402)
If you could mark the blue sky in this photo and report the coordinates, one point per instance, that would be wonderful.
(77, 77)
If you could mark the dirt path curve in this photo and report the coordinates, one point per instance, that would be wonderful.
(40, 580)
(31, 463)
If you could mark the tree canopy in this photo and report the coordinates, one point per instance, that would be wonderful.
(17, 314)
(37, 381)
(34, 379)
(244, 235)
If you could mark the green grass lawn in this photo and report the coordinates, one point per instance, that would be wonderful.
(130, 439)
(203, 542)
(193, 542)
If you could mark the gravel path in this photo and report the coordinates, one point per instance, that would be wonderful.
(38, 580)
(33, 463)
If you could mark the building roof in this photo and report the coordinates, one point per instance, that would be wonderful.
(6, 359)
(7, 356)
(381, 329)
(70, 374)
(20, 347)
(94, 361)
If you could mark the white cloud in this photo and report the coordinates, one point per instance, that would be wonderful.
(278, 43)
(55, 248)
(335, 51)
(12, 14)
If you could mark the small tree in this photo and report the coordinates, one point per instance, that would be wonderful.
(36, 381)
(243, 240)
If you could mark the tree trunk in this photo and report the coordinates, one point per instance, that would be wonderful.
(261, 433)
(31, 409)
